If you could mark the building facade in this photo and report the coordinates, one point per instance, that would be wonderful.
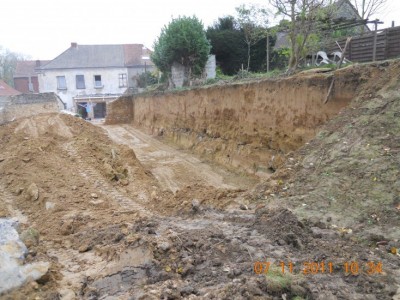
(26, 77)
(86, 77)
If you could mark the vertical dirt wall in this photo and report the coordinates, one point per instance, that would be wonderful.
(120, 111)
(247, 126)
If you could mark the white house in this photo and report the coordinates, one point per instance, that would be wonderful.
(85, 77)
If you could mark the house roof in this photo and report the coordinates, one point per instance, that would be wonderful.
(6, 90)
(282, 40)
(26, 68)
(344, 9)
(100, 56)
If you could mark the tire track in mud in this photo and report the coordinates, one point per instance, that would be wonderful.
(76, 265)
(174, 169)
(88, 172)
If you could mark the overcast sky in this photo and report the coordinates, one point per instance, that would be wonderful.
(44, 29)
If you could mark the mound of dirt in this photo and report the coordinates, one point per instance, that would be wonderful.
(63, 177)
(350, 172)
(44, 125)
(347, 178)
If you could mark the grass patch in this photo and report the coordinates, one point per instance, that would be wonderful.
(279, 282)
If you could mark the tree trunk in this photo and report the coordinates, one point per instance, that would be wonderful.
(186, 76)
(292, 60)
(267, 52)
(248, 57)
(363, 12)
(293, 57)
(171, 84)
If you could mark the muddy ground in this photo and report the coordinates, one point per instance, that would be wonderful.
(120, 215)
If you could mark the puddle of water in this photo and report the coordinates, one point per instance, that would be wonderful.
(126, 273)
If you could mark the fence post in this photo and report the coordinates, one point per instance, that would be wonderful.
(386, 32)
(376, 22)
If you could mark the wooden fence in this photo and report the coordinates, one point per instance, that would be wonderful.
(361, 48)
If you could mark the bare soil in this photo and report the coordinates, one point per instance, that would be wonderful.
(121, 215)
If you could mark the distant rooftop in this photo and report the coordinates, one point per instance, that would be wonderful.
(100, 56)
(26, 68)
(6, 90)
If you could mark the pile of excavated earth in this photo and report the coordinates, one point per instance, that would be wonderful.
(81, 217)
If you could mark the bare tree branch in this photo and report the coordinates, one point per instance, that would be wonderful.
(252, 20)
(303, 16)
(368, 8)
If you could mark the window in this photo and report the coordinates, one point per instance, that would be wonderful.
(122, 80)
(97, 81)
(61, 83)
(80, 81)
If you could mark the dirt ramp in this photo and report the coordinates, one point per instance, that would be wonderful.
(65, 181)
(58, 154)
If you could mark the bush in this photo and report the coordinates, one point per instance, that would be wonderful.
(146, 79)
(280, 58)
(242, 74)
(210, 81)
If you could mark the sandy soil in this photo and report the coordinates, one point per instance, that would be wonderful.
(120, 215)
(172, 168)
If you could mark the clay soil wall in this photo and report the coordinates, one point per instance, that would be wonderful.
(248, 126)
(120, 111)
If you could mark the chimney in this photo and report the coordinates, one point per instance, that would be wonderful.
(38, 64)
(74, 45)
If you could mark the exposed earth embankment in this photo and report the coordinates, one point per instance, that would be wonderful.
(246, 125)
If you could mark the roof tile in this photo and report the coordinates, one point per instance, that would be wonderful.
(6, 90)
(99, 56)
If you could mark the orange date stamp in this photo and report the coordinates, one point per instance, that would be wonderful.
(322, 267)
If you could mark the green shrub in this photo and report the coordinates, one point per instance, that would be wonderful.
(146, 79)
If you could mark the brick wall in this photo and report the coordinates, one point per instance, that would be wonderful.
(21, 84)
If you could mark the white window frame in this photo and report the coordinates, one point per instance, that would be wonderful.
(123, 80)
(59, 85)
(76, 82)
(95, 85)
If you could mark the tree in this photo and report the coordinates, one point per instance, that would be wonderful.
(252, 20)
(368, 8)
(227, 43)
(303, 16)
(183, 41)
(229, 46)
(8, 62)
